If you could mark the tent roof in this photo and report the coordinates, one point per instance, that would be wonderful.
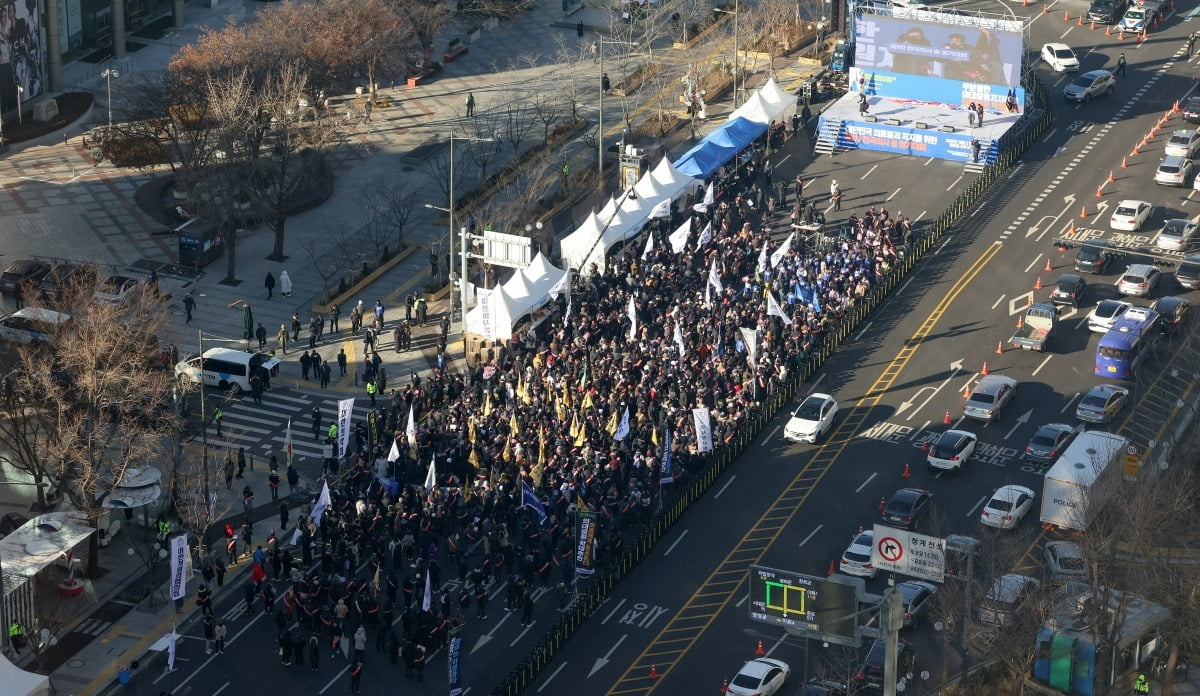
(755, 109)
(502, 307)
(40, 541)
(776, 98)
(649, 189)
(18, 682)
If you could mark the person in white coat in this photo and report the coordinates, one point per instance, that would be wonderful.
(285, 284)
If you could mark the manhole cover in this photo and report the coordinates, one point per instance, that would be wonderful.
(75, 664)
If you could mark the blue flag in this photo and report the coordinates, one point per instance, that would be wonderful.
(667, 475)
(530, 499)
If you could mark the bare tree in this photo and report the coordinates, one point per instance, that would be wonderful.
(518, 123)
(440, 169)
(388, 207)
(484, 148)
(547, 107)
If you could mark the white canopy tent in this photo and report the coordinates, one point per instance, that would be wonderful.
(755, 109)
(527, 291)
(778, 101)
(18, 682)
(493, 315)
(672, 181)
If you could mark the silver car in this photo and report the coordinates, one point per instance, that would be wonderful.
(1090, 84)
(989, 397)
(1064, 561)
(1173, 171)
(1138, 280)
(1176, 235)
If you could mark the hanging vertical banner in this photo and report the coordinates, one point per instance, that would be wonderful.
(287, 444)
(179, 566)
(667, 473)
(454, 661)
(704, 441)
(487, 315)
(585, 544)
(373, 427)
(345, 413)
(750, 338)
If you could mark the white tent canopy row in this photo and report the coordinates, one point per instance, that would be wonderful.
(529, 289)
(18, 682)
(585, 248)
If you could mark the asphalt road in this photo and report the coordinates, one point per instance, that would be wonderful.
(795, 507)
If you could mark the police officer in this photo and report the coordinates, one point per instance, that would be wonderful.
(218, 416)
(1141, 685)
(1121, 65)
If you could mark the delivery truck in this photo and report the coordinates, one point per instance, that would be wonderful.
(1036, 328)
(1077, 487)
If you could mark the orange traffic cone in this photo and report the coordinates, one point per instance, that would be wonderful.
(654, 671)
(1110, 176)
(1121, 35)
(967, 392)
(1080, 22)
(1175, 108)
(1072, 227)
(925, 446)
(1020, 321)
(907, 472)
(1029, 300)
(1141, 37)
(1108, 31)
(946, 419)
(1093, 27)
(1049, 267)
(832, 568)
(1135, 152)
(759, 650)
(1100, 191)
(1038, 283)
(984, 371)
(1083, 212)
(1066, 17)
(1045, 9)
(1124, 164)
(999, 348)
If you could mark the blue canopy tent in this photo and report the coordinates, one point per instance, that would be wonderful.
(719, 147)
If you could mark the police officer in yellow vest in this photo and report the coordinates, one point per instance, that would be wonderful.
(1141, 685)
(332, 434)
(16, 636)
(218, 416)
(372, 390)
(164, 529)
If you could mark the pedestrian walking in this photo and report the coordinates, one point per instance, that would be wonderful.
(314, 649)
(837, 199)
(470, 105)
(260, 333)
(219, 570)
(355, 677)
(326, 372)
(341, 360)
(579, 29)
(270, 285)
(304, 365)
(218, 416)
(227, 470)
(285, 284)
(1191, 43)
(976, 146)
(526, 607)
(209, 634)
(863, 106)
(360, 644)
(283, 513)
(241, 462)
(1121, 65)
(220, 631)
(979, 114)
(295, 327)
(189, 303)
(594, 49)
(274, 480)
(334, 313)
(282, 339)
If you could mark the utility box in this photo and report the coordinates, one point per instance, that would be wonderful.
(200, 243)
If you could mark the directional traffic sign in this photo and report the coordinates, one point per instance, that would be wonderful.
(909, 553)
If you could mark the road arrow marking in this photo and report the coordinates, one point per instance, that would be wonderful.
(487, 637)
(955, 368)
(1068, 200)
(601, 661)
(1021, 420)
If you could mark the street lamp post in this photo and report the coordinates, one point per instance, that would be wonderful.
(108, 74)
(20, 117)
(600, 120)
(735, 49)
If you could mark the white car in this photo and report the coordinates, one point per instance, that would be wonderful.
(1138, 280)
(1129, 215)
(1006, 508)
(1176, 235)
(811, 419)
(1060, 57)
(856, 559)
(115, 289)
(1106, 314)
(951, 450)
(761, 676)
(1183, 143)
(1173, 171)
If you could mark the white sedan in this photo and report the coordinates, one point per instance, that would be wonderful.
(1006, 508)
(115, 289)
(1106, 314)
(811, 419)
(856, 559)
(1060, 57)
(1183, 143)
(1130, 215)
(761, 676)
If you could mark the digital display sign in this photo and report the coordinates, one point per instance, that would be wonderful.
(815, 607)
(950, 47)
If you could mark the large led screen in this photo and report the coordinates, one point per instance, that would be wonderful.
(971, 49)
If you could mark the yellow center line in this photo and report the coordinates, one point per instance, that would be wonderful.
(779, 515)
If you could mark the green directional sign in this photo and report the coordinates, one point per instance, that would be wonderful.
(815, 607)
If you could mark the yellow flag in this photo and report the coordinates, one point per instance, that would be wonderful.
(471, 433)
(523, 391)
(512, 424)
(473, 459)
(587, 400)
(579, 502)
(467, 493)
(566, 393)
(612, 423)
(487, 405)
(536, 474)
(560, 411)
(574, 431)
(654, 436)
(506, 455)
(582, 437)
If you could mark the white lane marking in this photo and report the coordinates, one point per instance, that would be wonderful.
(869, 171)
(998, 301)
(860, 333)
(1069, 402)
(551, 677)
(975, 507)
(1039, 367)
(672, 548)
(864, 483)
(718, 495)
(811, 534)
(613, 612)
(1033, 263)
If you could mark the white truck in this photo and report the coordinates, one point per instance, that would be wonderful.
(1078, 485)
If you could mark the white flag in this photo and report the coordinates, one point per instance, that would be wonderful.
(427, 600)
(179, 561)
(431, 477)
(411, 430)
(782, 251)
(705, 236)
(287, 445)
(762, 258)
(345, 413)
(708, 295)
(750, 338)
(773, 308)
(679, 339)
(714, 277)
(623, 428)
(708, 195)
(171, 650)
(700, 422)
(567, 314)
(632, 320)
(563, 283)
(323, 502)
(649, 246)
(394, 454)
(296, 536)
(679, 237)
(662, 210)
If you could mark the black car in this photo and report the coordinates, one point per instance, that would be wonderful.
(1173, 313)
(1068, 290)
(824, 687)
(907, 508)
(1096, 257)
(1188, 273)
(870, 674)
(1107, 11)
(1049, 442)
(1191, 110)
(63, 275)
(22, 272)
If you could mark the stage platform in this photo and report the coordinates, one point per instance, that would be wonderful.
(945, 131)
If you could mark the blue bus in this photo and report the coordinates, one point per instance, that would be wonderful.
(1127, 343)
